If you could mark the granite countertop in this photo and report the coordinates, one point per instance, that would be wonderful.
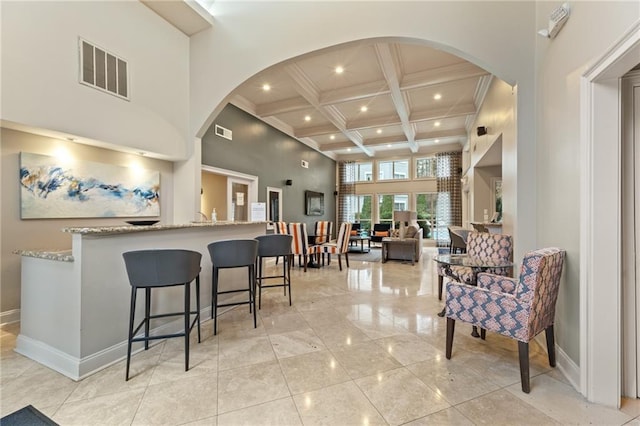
(57, 255)
(125, 229)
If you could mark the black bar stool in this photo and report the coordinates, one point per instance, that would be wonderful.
(233, 254)
(274, 245)
(149, 269)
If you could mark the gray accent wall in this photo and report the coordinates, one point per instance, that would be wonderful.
(261, 150)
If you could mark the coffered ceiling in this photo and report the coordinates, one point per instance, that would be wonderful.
(389, 98)
(374, 98)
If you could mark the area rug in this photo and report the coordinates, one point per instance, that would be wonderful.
(374, 255)
(27, 416)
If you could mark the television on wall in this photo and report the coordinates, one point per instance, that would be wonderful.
(314, 203)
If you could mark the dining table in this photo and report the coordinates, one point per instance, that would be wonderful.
(476, 265)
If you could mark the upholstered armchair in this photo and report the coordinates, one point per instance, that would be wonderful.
(380, 231)
(480, 245)
(340, 246)
(519, 309)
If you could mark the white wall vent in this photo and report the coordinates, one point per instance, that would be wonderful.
(103, 70)
(225, 133)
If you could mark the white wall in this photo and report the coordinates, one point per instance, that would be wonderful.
(40, 85)
(497, 114)
(590, 32)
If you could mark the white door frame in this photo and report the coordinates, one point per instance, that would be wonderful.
(630, 232)
(600, 221)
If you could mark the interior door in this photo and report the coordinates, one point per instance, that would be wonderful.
(238, 200)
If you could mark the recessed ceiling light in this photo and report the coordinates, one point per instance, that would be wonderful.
(266, 87)
(339, 70)
(388, 145)
(437, 96)
(437, 124)
(348, 149)
(436, 141)
(364, 108)
(332, 137)
(379, 131)
(307, 118)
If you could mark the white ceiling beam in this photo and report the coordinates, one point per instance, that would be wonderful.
(305, 87)
(388, 64)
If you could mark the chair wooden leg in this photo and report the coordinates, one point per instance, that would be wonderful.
(440, 282)
(483, 333)
(346, 258)
(551, 345)
(340, 261)
(523, 352)
(451, 326)
(305, 262)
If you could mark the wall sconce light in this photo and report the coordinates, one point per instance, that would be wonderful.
(482, 130)
(288, 182)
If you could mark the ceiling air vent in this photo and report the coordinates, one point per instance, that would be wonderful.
(103, 70)
(223, 132)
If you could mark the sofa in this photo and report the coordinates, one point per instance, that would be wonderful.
(397, 249)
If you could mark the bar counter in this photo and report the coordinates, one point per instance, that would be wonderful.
(75, 303)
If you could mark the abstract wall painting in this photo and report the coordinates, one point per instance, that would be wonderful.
(51, 189)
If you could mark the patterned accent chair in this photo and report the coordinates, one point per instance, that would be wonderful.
(340, 246)
(323, 230)
(480, 245)
(300, 243)
(519, 309)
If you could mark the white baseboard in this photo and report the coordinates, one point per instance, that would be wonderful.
(8, 317)
(569, 368)
(78, 368)
(563, 363)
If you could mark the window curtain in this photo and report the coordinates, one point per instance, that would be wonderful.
(449, 203)
(346, 189)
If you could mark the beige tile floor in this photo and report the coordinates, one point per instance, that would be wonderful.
(359, 347)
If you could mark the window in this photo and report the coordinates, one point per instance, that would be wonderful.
(426, 204)
(392, 170)
(359, 210)
(426, 168)
(388, 203)
(363, 172)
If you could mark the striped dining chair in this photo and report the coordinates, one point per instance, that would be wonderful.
(280, 228)
(300, 243)
(340, 246)
(323, 231)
